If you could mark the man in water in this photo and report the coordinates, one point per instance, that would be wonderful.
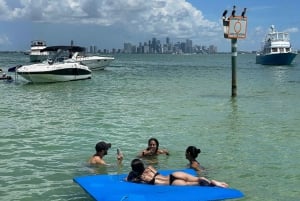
(101, 150)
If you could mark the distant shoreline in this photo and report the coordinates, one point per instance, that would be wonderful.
(239, 52)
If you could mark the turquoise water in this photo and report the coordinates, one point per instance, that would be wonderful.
(48, 131)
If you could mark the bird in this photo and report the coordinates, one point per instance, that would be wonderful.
(233, 12)
(224, 14)
(244, 12)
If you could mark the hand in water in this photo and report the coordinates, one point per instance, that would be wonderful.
(119, 155)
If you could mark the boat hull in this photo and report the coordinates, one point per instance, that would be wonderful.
(95, 62)
(45, 74)
(276, 59)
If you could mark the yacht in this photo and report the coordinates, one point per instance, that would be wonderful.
(35, 54)
(276, 49)
(57, 68)
(93, 62)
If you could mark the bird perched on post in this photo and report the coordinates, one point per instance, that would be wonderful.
(224, 14)
(244, 12)
(233, 12)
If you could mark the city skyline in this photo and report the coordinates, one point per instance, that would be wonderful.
(155, 46)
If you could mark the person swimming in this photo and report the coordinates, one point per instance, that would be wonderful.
(191, 154)
(101, 151)
(153, 149)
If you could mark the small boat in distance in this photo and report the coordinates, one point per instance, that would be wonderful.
(35, 54)
(5, 77)
(93, 62)
(276, 50)
(57, 69)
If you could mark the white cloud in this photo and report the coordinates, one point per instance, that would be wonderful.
(292, 30)
(174, 18)
(4, 10)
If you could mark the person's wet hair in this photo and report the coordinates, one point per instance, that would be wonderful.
(137, 166)
(193, 151)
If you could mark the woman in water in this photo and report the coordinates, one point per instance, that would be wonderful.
(191, 154)
(153, 149)
(149, 175)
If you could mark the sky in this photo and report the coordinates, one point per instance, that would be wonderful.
(109, 24)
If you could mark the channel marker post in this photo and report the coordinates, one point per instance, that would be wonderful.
(234, 27)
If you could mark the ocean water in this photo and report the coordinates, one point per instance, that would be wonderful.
(48, 131)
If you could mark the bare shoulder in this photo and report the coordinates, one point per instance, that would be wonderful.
(163, 151)
(94, 160)
(196, 166)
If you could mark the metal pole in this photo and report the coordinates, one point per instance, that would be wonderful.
(233, 66)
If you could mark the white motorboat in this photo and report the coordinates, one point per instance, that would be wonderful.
(93, 62)
(35, 54)
(57, 69)
(276, 50)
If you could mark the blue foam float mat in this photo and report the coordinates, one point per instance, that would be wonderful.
(115, 188)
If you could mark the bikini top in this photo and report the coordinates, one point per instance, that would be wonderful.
(147, 181)
(152, 181)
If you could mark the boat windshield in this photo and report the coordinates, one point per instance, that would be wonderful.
(278, 36)
(59, 56)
